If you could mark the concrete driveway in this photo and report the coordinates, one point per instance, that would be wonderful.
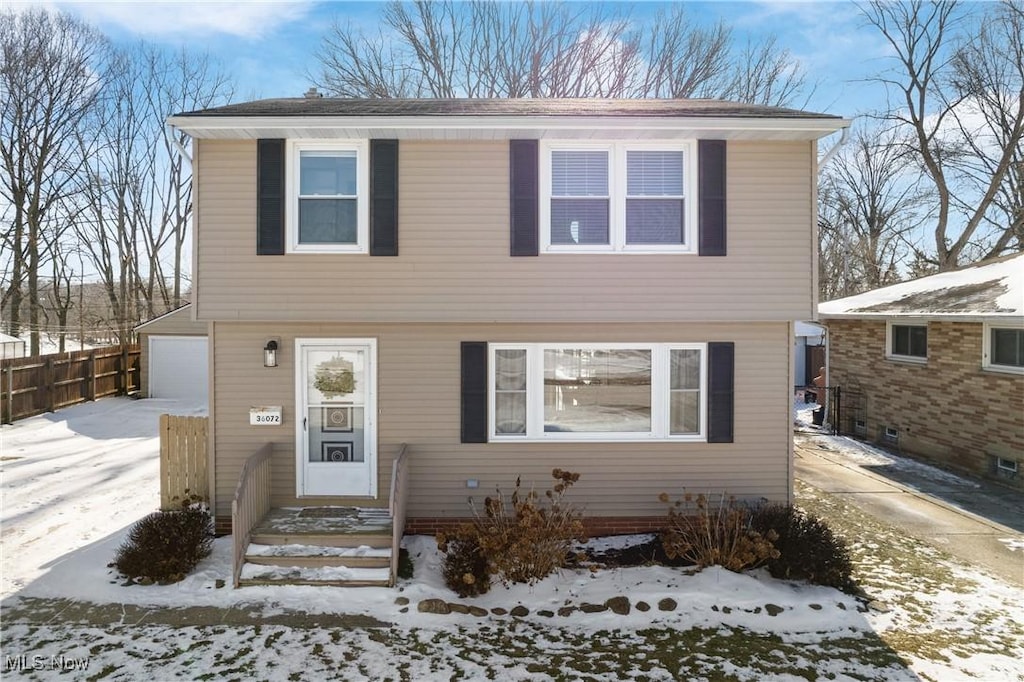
(980, 523)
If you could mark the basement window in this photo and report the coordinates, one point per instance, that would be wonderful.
(891, 435)
(1008, 465)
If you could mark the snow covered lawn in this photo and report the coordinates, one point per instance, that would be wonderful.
(72, 483)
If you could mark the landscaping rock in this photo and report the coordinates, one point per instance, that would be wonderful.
(477, 611)
(145, 580)
(619, 605)
(726, 609)
(593, 608)
(816, 607)
(546, 613)
(566, 611)
(404, 609)
(218, 583)
(520, 611)
(773, 609)
(878, 606)
(498, 611)
(433, 606)
(458, 608)
(667, 604)
(643, 606)
(402, 601)
(841, 605)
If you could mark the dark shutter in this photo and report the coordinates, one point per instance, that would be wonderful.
(711, 197)
(721, 370)
(270, 198)
(524, 197)
(474, 392)
(383, 197)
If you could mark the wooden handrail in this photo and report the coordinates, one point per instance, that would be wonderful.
(250, 504)
(396, 503)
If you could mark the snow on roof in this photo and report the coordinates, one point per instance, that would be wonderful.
(990, 289)
(4, 338)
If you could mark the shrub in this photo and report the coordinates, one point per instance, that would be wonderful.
(166, 545)
(521, 540)
(720, 534)
(807, 547)
(465, 568)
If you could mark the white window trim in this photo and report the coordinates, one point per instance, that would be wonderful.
(986, 348)
(617, 202)
(914, 359)
(362, 150)
(660, 394)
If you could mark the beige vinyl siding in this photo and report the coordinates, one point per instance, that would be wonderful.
(176, 323)
(454, 263)
(419, 404)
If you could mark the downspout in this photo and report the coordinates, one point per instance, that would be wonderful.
(828, 365)
(835, 148)
(184, 153)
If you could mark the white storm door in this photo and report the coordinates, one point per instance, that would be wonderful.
(336, 444)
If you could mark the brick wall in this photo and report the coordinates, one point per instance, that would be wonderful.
(594, 525)
(948, 410)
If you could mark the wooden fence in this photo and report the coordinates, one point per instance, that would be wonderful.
(183, 462)
(44, 383)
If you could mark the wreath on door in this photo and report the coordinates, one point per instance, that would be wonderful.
(334, 378)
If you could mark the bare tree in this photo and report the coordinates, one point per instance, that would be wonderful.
(958, 88)
(49, 83)
(871, 207)
(485, 49)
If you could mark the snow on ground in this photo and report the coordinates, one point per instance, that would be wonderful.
(74, 481)
(860, 452)
(72, 477)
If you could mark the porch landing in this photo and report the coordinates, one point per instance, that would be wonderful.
(345, 546)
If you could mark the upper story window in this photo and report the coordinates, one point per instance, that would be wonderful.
(907, 342)
(618, 197)
(1004, 348)
(328, 189)
(603, 392)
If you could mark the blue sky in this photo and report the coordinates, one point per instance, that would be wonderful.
(268, 46)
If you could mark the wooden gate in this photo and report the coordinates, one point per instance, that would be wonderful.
(183, 461)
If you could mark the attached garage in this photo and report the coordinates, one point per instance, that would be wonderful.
(175, 357)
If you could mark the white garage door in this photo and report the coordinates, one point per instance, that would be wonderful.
(178, 367)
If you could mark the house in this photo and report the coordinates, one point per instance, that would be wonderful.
(11, 347)
(935, 366)
(504, 287)
(174, 356)
(808, 352)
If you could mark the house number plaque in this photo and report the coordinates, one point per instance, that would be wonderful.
(267, 415)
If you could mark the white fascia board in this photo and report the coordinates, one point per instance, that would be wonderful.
(929, 317)
(217, 126)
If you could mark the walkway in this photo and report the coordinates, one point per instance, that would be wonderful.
(979, 522)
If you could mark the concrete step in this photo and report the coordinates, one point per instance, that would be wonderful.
(312, 556)
(337, 576)
(375, 540)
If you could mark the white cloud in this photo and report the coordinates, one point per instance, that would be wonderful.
(156, 20)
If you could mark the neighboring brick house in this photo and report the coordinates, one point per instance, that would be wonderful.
(935, 367)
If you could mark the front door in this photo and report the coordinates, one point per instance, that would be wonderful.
(335, 403)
